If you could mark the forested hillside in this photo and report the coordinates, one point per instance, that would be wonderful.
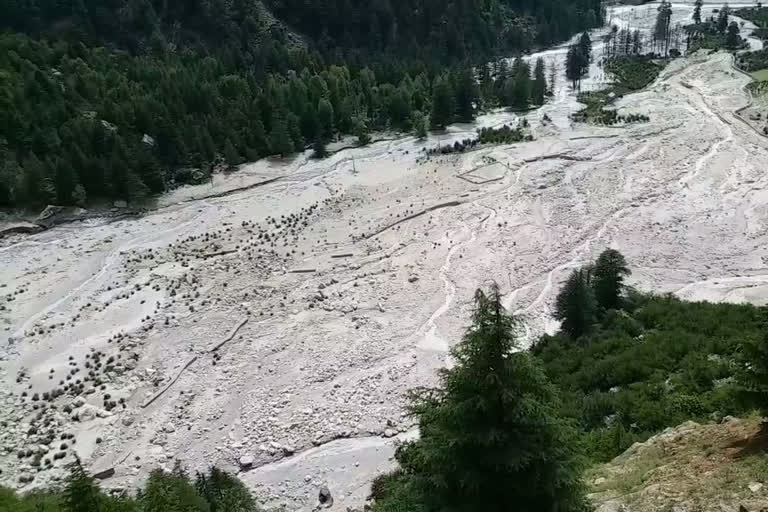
(120, 99)
(447, 29)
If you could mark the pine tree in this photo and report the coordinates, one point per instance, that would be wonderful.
(361, 132)
(207, 146)
(419, 124)
(490, 435)
(575, 305)
(170, 492)
(231, 156)
(518, 88)
(224, 492)
(732, 39)
(607, 279)
(697, 11)
(722, 19)
(80, 494)
(258, 137)
(442, 103)
(661, 33)
(539, 87)
(466, 96)
(280, 140)
(32, 180)
(637, 42)
(573, 65)
(318, 148)
(552, 79)
(65, 182)
(325, 118)
(585, 49)
(9, 175)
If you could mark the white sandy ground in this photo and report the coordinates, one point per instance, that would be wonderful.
(312, 385)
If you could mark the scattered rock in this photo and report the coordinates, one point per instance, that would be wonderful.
(246, 462)
(755, 486)
(324, 497)
(613, 506)
(107, 473)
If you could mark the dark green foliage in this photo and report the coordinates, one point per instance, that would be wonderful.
(231, 155)
(697, 11)
(361, 132)
(753, 61)
(280, 139)
(502, 135)
(318, 149)
(732, 38)
(171, 492)
(722, 19)
(753, 369)
(656, 363)
(37, 501)
(575, 304)
(518, 85)
(718, 33)
(466, 96)
(437, 30)
(325, 118)
(490, 436)
(629, 73)
(419, 123)
(607, 279)
(442, 103)
(397, 492)
(81, 494)
(215, 491)
(577, 60)
(758, 16)
(539, 86)
(224, 492)
(108, 100)
(585, 47)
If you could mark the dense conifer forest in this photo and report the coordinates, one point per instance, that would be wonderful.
(121, 99)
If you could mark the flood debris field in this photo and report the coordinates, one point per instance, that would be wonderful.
(275, 328)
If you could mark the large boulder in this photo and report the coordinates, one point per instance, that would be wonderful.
(50, 212)
(246, 462)
(324, 498)
(53, 215)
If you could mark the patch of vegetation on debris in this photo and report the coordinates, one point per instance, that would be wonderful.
(630, 73)
(504, 134)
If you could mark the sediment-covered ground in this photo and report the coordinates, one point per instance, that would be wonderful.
(275, 318)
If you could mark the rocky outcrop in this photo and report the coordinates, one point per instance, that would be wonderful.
(688, 468)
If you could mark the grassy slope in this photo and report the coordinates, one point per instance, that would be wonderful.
(706, 468)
